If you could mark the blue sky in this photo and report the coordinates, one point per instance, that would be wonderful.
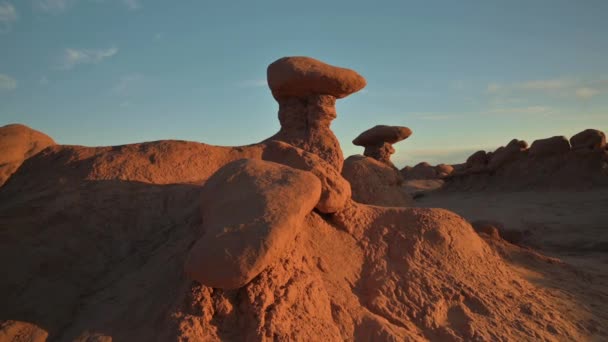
(463, 75)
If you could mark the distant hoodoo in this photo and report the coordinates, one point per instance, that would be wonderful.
(378, 141)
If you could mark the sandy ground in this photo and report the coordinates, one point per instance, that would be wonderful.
(566, 234)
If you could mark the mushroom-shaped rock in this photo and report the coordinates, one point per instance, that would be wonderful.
(557, 145)
(335, 190)
(252, 211)
(306, 90)
(375, 183)
(378, 141)
(304, 76)
(507, 154)
(18, 143)
(589, 139)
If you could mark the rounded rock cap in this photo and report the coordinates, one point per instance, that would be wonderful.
(382, 134)
(303, 76)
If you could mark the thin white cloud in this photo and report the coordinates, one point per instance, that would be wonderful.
(561, 87)
(252, 83)
(73, 57)
(43, 80)
(8, 16)
(7, 82)
(530, 110)
(60, 6)
(586, 93)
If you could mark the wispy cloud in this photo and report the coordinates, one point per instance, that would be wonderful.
(73, 57)
(60, 6)
(8, 16)
(561, 87)
(252, 83)
(530, 110)
(586, 93)
(43, 80)
(7, 82)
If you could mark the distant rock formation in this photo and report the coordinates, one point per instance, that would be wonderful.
(424, 170)
(306, 90)
(553, 162)
(378, 141)
(588, 140)
(373, 177)
(18, 143)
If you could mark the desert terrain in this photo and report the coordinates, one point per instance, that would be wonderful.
(288, 240)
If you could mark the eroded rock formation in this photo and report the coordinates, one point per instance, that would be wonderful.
(548, 163)
(18, 143)
(378, 141)
(306, 90)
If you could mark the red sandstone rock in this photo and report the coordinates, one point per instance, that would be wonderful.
(252, 211)
(378, 141)
(373, 182)
(18, 143)
(335, 190)
(304, 76)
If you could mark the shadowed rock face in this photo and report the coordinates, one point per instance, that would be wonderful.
(18, 143)
(378, 141)
(550, 146)
(306, 90)
(589, 139)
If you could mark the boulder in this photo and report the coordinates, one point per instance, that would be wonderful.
(589, 139)
(304, 76)
(335, 190)
(477, 161)
(373, 182)
(507, 154)
(557, 145)
(252, 211)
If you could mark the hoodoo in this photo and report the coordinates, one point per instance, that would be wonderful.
(378, 141)
(306, 90)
